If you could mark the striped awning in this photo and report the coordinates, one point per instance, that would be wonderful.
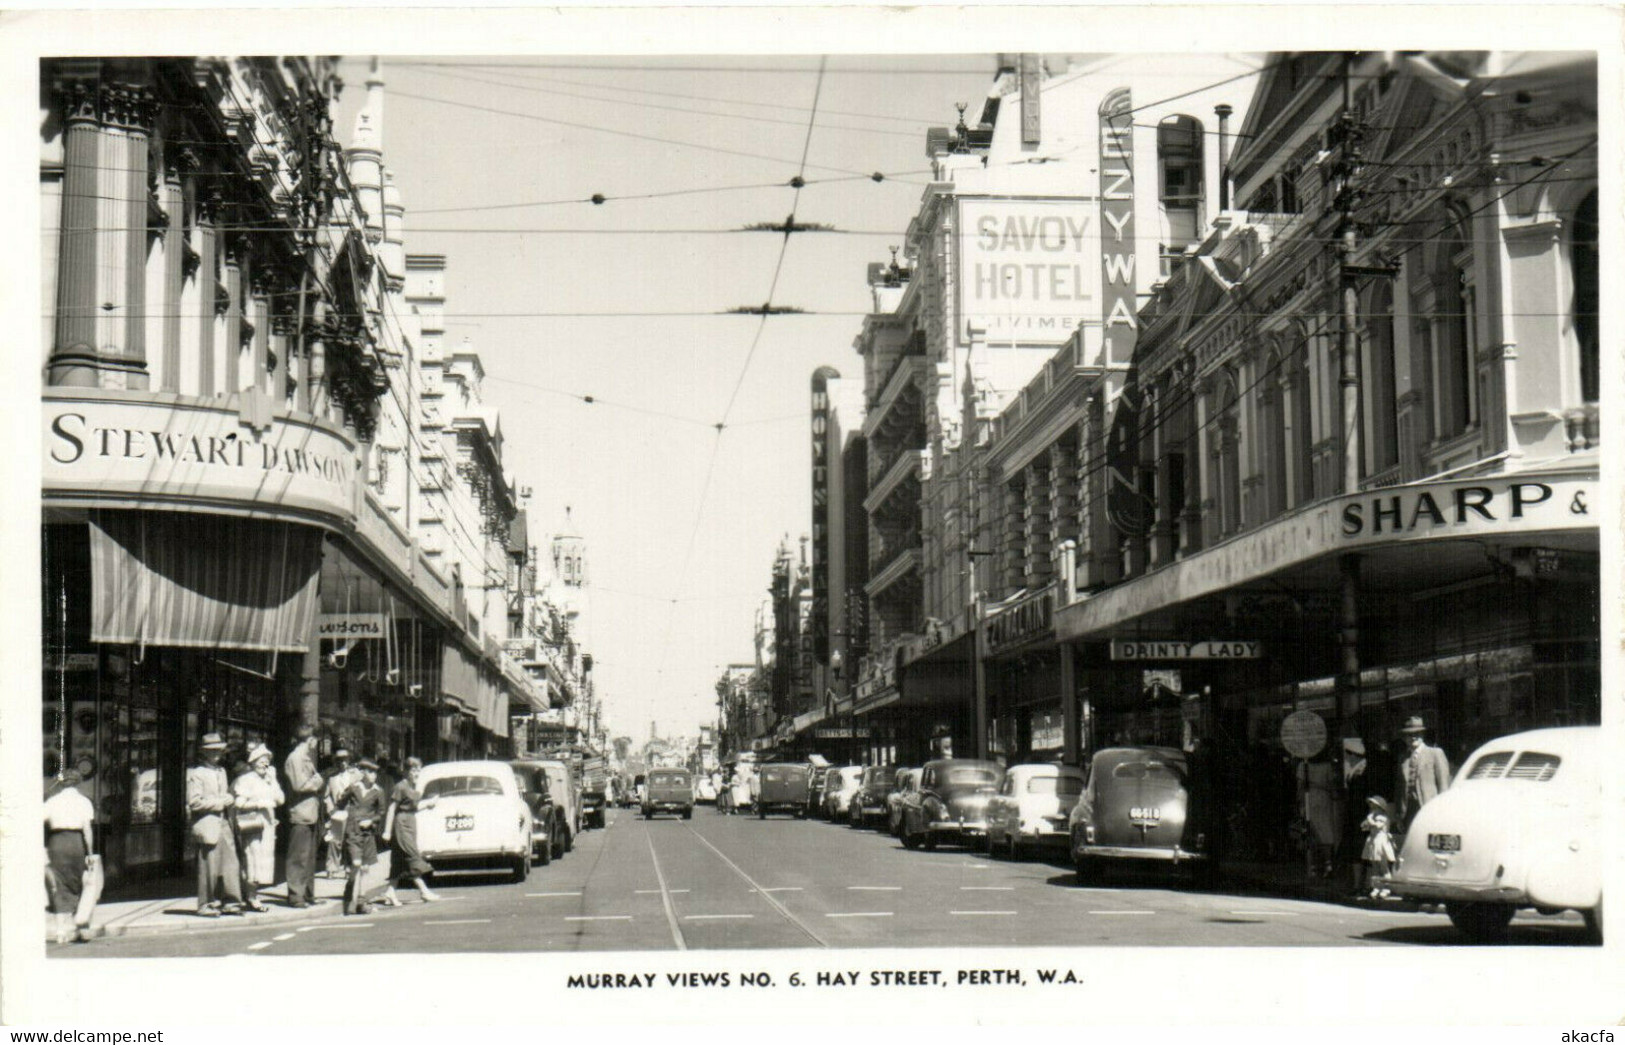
(197, 580)
(465, 678)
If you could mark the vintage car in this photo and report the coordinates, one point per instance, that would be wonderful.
(952, 802)
(1133, 810)
(868, 806)
(841, 787)
(705, 789)
(905, 784)
(669, 791)
(781, 787)
(473, 815)
(561, 786)
(1031, 808)
(1521, 826)
(533, 785)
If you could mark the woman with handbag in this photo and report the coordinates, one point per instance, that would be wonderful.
(401, 832)
(69, 843)
(258, 794)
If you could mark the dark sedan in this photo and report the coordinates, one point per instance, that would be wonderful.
(1134, 809)
(952, 802)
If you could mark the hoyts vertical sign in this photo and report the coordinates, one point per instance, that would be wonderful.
(819, 622)
(1117, 225)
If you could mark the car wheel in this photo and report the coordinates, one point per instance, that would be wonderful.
(555, 840)
(928, 841)
(688, 814)
(909, 839)
(761, 812)
(546, 855)
(1012, 847)
(521, 866)
(1481, 922)
(1593, 919)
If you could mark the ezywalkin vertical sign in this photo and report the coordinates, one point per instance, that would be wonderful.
(1117, 225)
(818, 621)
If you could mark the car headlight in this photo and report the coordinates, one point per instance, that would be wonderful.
(1089, 833)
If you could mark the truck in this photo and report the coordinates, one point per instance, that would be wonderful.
(589, 772)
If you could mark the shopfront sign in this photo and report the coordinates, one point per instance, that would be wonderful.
(842, 733)
(1303, 734)
(1024, 622)
(127, 447)
(350, 626)
(1117, 253)
(1125, 649)
(1028, 268)
(819, 616)
(1048, 732)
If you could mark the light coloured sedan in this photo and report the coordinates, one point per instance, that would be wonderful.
(841, 788)
(1521, 826)
(1030, 809)
(473, 814)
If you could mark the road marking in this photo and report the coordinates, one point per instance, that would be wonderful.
(1122, 912)
(598, 918)
(345, 925)
(284, 936)
(533, 896)
(713, 917)
(875, 888)
(259, 946)
(650, 892)
(665, 898)
(460, 921)
(1275, 914)
(779, 889)
(982, 912)
(990, 888)
(861, 914)
(792, 919)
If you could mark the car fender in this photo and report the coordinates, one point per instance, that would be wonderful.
(1567, 877)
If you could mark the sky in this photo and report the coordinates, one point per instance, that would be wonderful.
(496, 159)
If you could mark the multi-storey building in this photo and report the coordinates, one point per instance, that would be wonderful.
(229, 539)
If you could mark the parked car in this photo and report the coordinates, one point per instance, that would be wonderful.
(1031, 808)
(839, 790)
(781, 787)
(561, 833)
(534, 787)
(1134, 809)
(566, 785)
(669, 791)
(1521, 826)
(594, 785)
(705, 789)
(817, 777)
(868, 806)
(473, 815)
(904, 784)
(951, 803)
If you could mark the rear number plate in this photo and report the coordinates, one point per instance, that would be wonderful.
(1145, 815)
(460, 822)
(1444, 843)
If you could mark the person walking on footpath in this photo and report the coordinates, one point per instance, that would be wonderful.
(1424, 771)
(406, 861)
(258, 794)
(364, 805)
(209, 803)
(1378, 854)
(69, 842)
(339, 779)
(304, 813)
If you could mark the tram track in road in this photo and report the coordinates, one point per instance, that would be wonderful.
(761, 891)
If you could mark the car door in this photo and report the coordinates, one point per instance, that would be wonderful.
(1001, 811)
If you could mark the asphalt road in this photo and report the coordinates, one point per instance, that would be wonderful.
(735, 882)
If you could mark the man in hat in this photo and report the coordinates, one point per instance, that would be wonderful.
(364, 804)
(339, 779)
(304, 816)
(1423, 773)
(208, 799)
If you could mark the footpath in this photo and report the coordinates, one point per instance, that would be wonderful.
(179, 913)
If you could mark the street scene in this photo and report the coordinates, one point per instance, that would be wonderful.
(890, 502)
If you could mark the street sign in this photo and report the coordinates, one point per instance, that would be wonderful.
(1303, 734)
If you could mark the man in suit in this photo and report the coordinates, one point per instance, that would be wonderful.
(304, 816)
(208, 802)
(1423, 773)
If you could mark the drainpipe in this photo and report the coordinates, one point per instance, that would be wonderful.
(1223, 112)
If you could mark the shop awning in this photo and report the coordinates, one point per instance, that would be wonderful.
(465, 678)
(197, 580)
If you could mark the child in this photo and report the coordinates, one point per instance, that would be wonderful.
(1379, 845)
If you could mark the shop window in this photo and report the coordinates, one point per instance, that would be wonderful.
(1444, 301)
(1179, 175)
(1378, 391)
(1583, 257)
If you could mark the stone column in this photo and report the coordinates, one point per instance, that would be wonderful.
(233, 338)
(208, 243)
(173, 201)
(73, 359)
(132, 117)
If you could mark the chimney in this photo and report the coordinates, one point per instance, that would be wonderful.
(1223, 112)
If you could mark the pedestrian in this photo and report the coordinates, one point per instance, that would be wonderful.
(257, 796)
(1424, 771)
(1378, 853)
(406, 861)
(363, 805)
(304, 813)
(69, 842)
(339, 778)
(209, 802)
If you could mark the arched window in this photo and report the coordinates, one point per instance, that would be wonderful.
(1583, 254)
(1224, 454)
(1379, 392)
(1300, 434)
(1179, 177)
(1272, 425)
(1443, 302)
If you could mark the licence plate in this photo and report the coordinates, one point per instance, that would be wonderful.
(460, 822)
(1444, 843)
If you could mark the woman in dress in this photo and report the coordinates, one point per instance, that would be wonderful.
(69, 817)
(257, 796)
(401, 832)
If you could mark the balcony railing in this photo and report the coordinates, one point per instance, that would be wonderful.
(903, 467)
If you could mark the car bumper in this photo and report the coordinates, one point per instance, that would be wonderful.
(962, 827)
(666, 807)
(1175, 855)
(1452, 891)
(1046, 834)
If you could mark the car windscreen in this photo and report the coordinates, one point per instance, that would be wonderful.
(447, 786)
(668, 779)
(1065, 786)
(966, 775)
(880, 776)
(1149, 770)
